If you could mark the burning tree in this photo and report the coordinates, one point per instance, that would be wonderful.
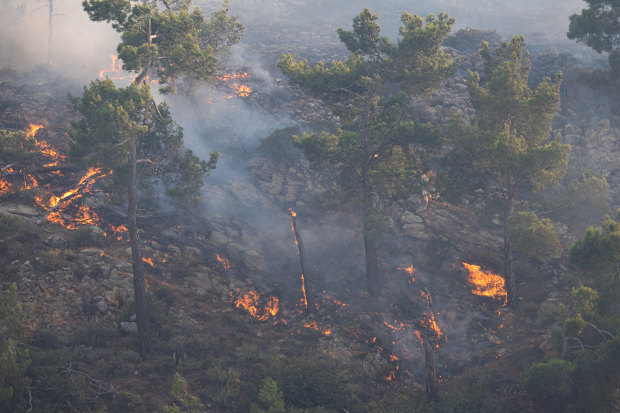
(509, 146)
(377, 152)
(124, 130)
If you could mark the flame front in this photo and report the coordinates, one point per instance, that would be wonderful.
(44, 147)
(251, 302)
(486, 284)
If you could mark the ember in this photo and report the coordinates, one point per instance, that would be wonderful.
(257, 306)
(409, 270)
(313, 325)
(486, 284)
(149, 261)
(223, 262)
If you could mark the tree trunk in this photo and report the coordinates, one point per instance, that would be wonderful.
(142, 312)
(508, 273)
(50, 33)
(306, 278)
(373, 284)
(432, 387)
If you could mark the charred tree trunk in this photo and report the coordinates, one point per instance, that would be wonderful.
(306, 278)
(142, 312)
(432, 386)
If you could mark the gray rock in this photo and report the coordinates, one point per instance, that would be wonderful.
(92, 252)
(128, 326)
(56, 241)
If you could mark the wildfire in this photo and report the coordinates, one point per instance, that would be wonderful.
(313, 325)
(114, 72)
(5, 186)
(223, 262)
(84, 216)
(486, 284)
(32, 130)
(391, 376)
(400, 327)
(430, 323)
(239, 89)
(257, 306)
(409, 270)
(149, 261)
(119, 231)
(44, 147)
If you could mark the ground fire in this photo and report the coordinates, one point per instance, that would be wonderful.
(257, 305)
(233, 81)
(486, 284)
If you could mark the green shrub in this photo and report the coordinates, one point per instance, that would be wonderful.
(14, 360)
(550, 383)
(270, 399)
(86, 237)
(97, 336)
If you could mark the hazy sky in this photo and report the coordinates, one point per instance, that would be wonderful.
(81, 46)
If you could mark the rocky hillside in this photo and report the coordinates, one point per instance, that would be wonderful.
(225, 292)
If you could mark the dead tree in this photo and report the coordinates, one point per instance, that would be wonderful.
(431, 384)
(306, 279)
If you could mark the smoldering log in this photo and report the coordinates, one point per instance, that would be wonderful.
(305, 274)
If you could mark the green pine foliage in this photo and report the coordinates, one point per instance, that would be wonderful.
(597, 26)
(532, 236)
(380, 148)
(183, 44)
(509, 145)
(112, 118)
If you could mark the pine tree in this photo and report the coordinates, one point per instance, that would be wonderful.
(376, 153)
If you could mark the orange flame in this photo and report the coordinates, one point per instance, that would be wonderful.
(5, 186)
(251, 302)
(409, 270)
(32, 130)
(225, 264)
(43, 146)
(119, 231)
(486, 284)
(84, 216)
(239, 89)
(149, 261)
(313, 325)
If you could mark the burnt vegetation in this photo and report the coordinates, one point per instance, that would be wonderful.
(456, 192)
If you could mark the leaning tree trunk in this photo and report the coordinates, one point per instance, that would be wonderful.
(306, 278)
(142, 312)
